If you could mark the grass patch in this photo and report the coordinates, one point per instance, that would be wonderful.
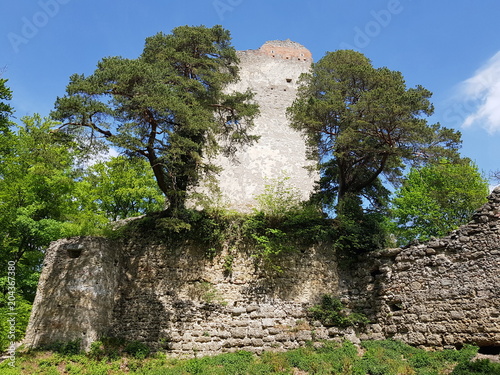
(373, 358)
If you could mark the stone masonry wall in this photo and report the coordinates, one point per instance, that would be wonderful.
(76, 292)
(272, 73)
(437, 294)
(445, 292)
(186, 303)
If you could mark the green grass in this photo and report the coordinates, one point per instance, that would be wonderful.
(372, 358)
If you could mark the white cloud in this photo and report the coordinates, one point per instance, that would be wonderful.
(111, 153)
(482, 93)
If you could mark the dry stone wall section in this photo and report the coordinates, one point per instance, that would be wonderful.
(445, 292)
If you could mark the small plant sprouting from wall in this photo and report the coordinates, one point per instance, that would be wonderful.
(331, 312)
(279, 198)
(207, 293)
(228, 264)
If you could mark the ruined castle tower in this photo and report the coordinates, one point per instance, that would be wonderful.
(272, 73)
(175, 298)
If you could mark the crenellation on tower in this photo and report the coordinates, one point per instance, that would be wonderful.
(283, 49)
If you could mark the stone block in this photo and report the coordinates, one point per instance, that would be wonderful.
(303, 336)
(268, 323)
(238, 333)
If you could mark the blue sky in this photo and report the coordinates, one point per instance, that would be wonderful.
(449, 47)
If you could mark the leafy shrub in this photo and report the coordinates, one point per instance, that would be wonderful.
(331, 312)
(66, 348)
(358, 231)
(112, 348)
(105, 348)
(479, 367)
(279, 198)
(137, 349)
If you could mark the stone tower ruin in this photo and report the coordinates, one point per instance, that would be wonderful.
(173, 297)
(272, 73)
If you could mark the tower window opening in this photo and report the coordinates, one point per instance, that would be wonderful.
(74, 253)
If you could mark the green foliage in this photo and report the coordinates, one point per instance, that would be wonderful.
(386, 357)
(66, 348)
(137, 349)
(279, 198)
(358, 231)
(271, 237)
(169, 105)
(44, 197)
(112, 348)
(107, 348)
(207, 293)
(36, 184)
(228, 264)
(395, 357)
(332, 312)
(364, 123)
(436, 199)
(120, 188)
(5, 110)
(276, 236)
(269, 242)
(389, 357)
(229, 364)
(330, 358)
(479, 367)
(283, 223)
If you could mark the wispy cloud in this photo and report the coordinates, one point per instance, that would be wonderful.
(482, 93)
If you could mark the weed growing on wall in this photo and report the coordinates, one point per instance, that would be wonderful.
(207, 293)
(279, 198)
(332, 312)
(270, 233)
(282, 224)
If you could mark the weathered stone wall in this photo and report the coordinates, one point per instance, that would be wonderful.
(177, 298)
(441, 293)
(188, 303)
(76, 292)
(445, 292)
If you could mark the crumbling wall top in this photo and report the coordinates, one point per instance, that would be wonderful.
(283, 49)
